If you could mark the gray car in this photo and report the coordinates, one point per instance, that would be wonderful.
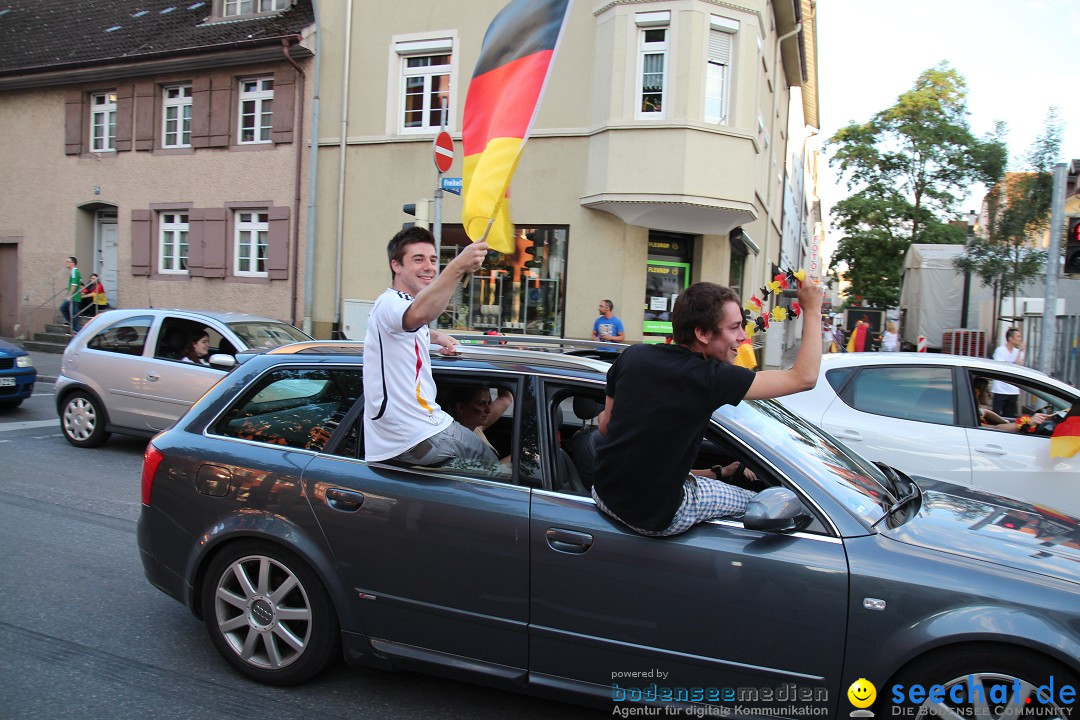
(260, 514)
(124, 371)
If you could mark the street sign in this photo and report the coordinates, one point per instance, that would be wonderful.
(444, 151)
(451, 185)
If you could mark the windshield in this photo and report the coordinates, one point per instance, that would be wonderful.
(259, 334)
(853, 481)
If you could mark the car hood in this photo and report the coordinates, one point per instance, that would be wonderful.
(9, 350)
(992, 528)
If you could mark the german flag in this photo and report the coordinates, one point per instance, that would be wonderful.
(1065, 441)
(501, 105)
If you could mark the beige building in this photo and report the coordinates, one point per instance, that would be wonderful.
(657, 158)
(160, 144)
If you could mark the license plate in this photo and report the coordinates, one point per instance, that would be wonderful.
(7, 382)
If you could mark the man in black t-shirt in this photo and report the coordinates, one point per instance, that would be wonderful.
(660, 399)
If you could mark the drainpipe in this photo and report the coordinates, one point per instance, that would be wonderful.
(313, 177)
(340, 233)
(772, 119)
(296, 180)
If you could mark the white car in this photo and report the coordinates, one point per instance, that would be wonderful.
(917, 412)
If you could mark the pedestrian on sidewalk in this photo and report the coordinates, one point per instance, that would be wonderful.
(70, 307)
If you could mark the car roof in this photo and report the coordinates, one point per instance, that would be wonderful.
(220, 316)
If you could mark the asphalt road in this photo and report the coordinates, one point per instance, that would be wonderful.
(84, 635)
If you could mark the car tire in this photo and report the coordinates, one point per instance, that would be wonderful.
(989, 665)
(83, 421)
(268, 614)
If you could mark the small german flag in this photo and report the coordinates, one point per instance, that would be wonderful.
(501, 105)
(1065, 441)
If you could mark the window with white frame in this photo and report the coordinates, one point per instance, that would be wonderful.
(652, 62)
(425, 83)
(103, 121)
(718, 69)
(230, 8)
(256, 110)
(249, 251)
(176, 116)
(173, 243)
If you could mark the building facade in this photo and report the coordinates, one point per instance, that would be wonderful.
(658, 157)
(160, 144)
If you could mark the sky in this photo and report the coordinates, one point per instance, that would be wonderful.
(1019, 58)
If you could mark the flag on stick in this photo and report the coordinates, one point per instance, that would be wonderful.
(501, 105)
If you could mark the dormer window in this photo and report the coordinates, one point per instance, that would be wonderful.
(235, 8)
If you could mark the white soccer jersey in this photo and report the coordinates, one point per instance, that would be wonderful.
(399, 392)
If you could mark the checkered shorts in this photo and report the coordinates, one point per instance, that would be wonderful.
(703, 499)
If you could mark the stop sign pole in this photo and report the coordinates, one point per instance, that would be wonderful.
(443, 150)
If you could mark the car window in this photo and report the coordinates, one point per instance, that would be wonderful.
(838, 376)
(176, 333)
(295, 407)
(265, 334)
(1033, 398)
(923, 394)
(573, 412)
(479, 400)
(127, 337)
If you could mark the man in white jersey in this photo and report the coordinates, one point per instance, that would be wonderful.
(1006, 396)
(402, 421)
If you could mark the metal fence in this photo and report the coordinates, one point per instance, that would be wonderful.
(1066, 361)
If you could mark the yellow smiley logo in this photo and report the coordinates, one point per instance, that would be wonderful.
(862, 693)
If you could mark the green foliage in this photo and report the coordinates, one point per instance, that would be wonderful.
(907, 168)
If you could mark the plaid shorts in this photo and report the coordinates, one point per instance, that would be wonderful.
(703, 499)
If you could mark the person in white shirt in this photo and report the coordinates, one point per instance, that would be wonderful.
(402, 420)
(1006, 396)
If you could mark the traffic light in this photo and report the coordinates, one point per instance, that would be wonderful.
(419, 210)
(1072, 247)
(536, 256)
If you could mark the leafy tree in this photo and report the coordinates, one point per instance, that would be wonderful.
(908, 166)
(1004, 257)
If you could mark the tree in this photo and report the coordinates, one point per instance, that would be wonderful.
(1005, 257)
(907, 167)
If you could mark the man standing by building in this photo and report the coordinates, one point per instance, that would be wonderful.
(607, 327)
(402, 421)
(1006, 396)
(660, 399)
(72, 303)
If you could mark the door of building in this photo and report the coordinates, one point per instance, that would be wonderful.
(9, 288)
(668, 270)
(107, 254)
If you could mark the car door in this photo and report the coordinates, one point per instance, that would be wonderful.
(438, 558)
(171, 386)
(717, 607)
(905, 416)
(112, 363)
(1018, 464)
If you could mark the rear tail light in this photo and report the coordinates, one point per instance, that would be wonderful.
(151, 460)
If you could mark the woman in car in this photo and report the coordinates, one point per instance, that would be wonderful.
(472, 406)
(990, 419)
(197, 348)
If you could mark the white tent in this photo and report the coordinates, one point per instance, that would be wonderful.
(932, 293)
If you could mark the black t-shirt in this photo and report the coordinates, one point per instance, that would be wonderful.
(664, 396)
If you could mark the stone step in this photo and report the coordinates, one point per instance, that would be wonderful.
(48, 347)
(57, 328)
(61, 338)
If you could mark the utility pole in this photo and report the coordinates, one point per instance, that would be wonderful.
(1049, 317)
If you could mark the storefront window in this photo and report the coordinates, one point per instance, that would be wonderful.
(523, 292)
(668, 273)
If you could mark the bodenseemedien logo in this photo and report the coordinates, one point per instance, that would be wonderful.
(862, 694)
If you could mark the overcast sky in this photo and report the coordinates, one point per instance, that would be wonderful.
(1018, 57)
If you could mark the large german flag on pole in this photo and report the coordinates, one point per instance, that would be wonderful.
(502, 102)
(1065, 441)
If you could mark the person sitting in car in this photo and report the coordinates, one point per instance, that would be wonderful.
(197, 348)
(472, 406)
(990, 419)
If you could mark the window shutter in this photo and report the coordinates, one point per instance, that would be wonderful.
(284, 104)
(125, 108)
(221, 99)
(720, 47)
(215, 241)
(196, 241)
(140, 242)
(73, 122)
(277, 251)
(200, 112)
(145, 129)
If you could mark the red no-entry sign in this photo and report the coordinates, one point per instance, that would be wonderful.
(444, 151)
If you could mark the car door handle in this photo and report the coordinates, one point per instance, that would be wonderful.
(847, 434)
(568, 541)
(152, 376)
(991, 450)
(344, 500)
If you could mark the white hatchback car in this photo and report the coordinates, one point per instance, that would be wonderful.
(917, 412)
(123, 372)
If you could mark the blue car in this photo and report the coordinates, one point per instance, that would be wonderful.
(17, 375)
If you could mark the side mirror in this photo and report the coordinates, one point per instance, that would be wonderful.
(221, 361)
(776, 509)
